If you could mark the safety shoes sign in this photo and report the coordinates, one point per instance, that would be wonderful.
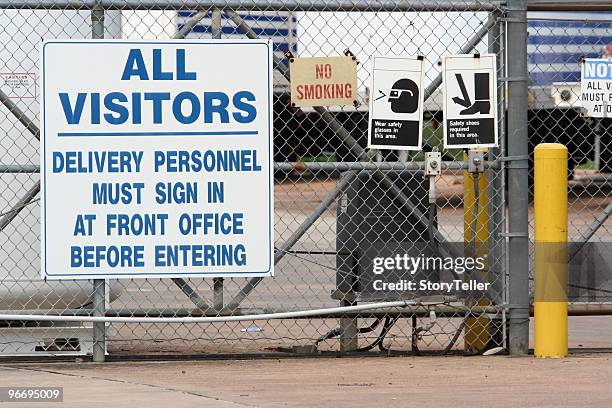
(396, 103)
(470, 101)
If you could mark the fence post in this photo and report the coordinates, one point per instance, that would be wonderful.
(216, 27)
(550, 202)
(518, 171)
(99, 285)
(496, 260)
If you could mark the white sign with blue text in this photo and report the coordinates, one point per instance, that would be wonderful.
(156, 159)
(596, 87)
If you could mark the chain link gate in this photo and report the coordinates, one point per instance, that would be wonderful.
(558, 43)
(321, 170)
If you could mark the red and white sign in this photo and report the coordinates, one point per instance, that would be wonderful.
(323, 81)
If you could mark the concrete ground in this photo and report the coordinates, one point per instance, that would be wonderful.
(496, 381)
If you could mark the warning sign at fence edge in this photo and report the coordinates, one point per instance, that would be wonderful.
(596, 87)
(156, 159)
(469, 83)
(396, 103)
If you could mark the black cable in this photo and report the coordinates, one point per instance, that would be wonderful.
(389, 322)
(306, 259)
(430, 228)
(337, 331)
(381, 345)
(450, 345)
(303, 252)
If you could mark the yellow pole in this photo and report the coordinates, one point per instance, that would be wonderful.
(476, 333)
(550, 303)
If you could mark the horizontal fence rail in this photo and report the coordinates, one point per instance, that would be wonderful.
(296, 5)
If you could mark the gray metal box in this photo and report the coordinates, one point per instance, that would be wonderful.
(373, 223)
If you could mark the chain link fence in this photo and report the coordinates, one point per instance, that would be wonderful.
(338, 205)
(558, 42)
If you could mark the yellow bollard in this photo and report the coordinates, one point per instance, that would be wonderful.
(551, 262)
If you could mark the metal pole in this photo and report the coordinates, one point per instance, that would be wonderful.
(97, 22)
(19, 205)
(518, 171)
(99, 328)
(216, 24)
(218, 293)
(585, 236)
(22, 117)
(217, 282)
(99, 285)
(191, 294)
(19, 168)
(372, 166)
(193, 21)
(257, 5)
(597, 143)
(313, 166)
(503, 57)
(496, 260)
(397, 305)
(496, 204)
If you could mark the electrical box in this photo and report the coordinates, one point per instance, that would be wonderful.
(373, 226)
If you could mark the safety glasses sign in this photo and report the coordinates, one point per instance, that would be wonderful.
(396, 103)
(156, 159)
(470, 101)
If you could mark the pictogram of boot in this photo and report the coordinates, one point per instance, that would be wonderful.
(482, 100)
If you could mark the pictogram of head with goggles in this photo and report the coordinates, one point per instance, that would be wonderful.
(404, 96)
